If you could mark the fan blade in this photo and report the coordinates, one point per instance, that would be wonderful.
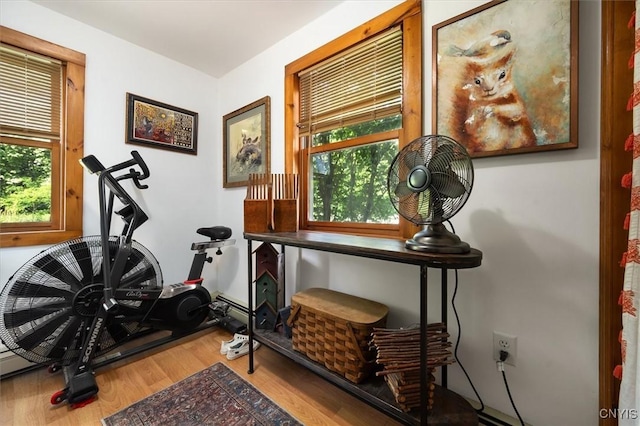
(134, 260)
(82, 255)
(447, 184)
(38, 334)
(27, 289)
(137, 277)
(413, 158)
(23, 316)
(444, 149)
(441, 159)
(409, 205)
(61, 343)
(53, 267)
(402, 189)
(424, 207)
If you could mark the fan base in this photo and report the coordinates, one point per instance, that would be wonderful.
(437, 239)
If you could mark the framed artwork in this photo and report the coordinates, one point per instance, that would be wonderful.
(505, 77)
(246, 142)
(158, 125)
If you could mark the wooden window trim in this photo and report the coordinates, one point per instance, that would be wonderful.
(70, 181)
(355, 142)
(407, 14)
(616, 122)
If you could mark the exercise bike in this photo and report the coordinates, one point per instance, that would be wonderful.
(82, 298)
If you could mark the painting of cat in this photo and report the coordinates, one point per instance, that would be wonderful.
(505, 77)
(487, 111)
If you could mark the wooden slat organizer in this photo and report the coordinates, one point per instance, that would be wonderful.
(271, 204)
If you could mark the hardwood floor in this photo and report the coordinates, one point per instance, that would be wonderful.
(24, 399)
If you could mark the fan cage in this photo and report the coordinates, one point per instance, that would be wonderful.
(37, 317)
(451, 180)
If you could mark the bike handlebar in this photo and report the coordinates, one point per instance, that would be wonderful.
(92, 164)
(143, 166)
(135, 177)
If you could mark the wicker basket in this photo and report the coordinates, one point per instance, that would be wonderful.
(334, 329)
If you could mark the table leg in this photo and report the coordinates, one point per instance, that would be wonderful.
(283, 277)
(424, 383)
(444, 309)
(250, 303)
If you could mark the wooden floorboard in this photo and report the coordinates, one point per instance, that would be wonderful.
(24, 399)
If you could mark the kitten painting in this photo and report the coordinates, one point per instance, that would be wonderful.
(486, 110)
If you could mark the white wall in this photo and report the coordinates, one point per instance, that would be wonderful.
(182, 188)
(534, 216)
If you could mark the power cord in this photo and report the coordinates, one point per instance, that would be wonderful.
(455, 350)
(503, 354)
(503, 357)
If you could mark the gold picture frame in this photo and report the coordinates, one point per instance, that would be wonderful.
(246, 143)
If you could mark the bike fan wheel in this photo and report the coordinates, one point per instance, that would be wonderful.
(50, 302)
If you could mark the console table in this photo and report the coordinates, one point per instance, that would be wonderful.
(449, 408)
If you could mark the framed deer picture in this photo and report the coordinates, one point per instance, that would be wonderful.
(505, 77)
(246, 142)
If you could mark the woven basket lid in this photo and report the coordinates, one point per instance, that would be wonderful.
(340, 305)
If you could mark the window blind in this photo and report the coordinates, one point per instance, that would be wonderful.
(30, 95)
(358, 85)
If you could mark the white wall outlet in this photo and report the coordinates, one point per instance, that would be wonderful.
(507, 343)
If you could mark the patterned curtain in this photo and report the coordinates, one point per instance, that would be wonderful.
(630, 335)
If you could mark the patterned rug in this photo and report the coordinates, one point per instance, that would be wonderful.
(214, 396)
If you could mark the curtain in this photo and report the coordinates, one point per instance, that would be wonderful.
(629, 337)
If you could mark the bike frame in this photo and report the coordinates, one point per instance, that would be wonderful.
(112, 272)
(182, 310)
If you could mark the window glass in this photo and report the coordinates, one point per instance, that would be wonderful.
(354, 94)
(350, 106)
(350, 185)
(30, 119)
(41, 140)
(25, 184)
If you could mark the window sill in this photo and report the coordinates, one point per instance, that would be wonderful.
(23, 239)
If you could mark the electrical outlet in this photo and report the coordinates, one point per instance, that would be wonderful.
(507, 343)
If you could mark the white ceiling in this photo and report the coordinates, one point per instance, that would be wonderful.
(213, 36)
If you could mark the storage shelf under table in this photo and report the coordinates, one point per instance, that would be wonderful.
(449, 407)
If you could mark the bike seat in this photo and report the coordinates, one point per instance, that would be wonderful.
(215, 232)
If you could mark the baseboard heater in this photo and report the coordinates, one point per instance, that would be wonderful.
(234, 305)
(237, 321)
(489, 420)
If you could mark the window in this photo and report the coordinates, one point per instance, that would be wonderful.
(351, 105)
(41, 140)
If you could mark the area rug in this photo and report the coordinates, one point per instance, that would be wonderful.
(214, 396)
